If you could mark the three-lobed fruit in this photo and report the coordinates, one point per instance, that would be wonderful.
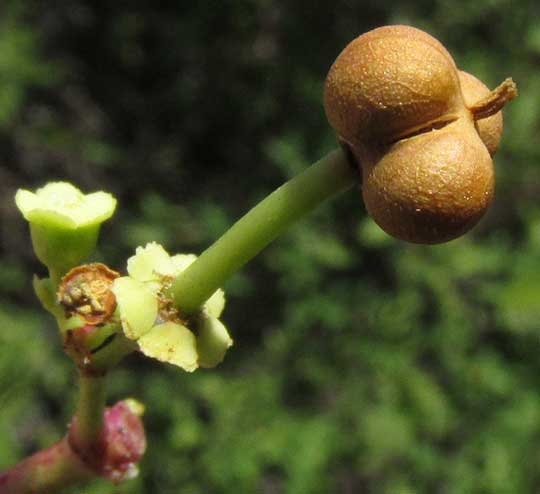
(421, 130)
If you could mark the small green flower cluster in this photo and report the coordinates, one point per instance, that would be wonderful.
(64, 225)
(148, 315)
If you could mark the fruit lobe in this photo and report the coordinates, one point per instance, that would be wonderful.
(389, 81)
(433, 187)
(490, 128)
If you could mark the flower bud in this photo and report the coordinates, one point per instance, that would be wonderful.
(122, 443)
(125, 440)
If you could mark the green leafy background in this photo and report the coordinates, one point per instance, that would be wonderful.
(361, 364)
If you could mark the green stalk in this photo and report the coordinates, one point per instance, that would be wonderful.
(89, 413)
(262, 224)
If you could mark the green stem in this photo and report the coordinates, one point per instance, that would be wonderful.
(89, 413)
(262, 224)
(55, 278)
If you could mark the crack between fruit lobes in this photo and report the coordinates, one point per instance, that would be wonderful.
(437, 124)
(495, 101)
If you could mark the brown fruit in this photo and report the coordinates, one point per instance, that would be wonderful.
(397, 100)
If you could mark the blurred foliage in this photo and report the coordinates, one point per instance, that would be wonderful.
(361, 364)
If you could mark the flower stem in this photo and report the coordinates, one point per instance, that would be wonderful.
(86, 438)
(262, 224)
(55, 277)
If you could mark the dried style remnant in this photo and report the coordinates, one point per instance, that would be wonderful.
(85, 291)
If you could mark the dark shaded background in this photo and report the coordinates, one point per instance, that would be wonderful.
(361, 364)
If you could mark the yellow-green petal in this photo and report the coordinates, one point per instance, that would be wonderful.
(149, 262)
(215, 304)
(61, 205)
(180, 262)
(137, 305)
(33, 211)
(102, 204)
(173, 343)
(213, 340)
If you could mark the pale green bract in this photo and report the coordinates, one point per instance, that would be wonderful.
(139, 297)
(62, 205)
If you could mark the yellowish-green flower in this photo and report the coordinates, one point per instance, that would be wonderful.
(64, 222)
(148, 316)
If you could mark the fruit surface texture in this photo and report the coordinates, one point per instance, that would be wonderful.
(422, 132)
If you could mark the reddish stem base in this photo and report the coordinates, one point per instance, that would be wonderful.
(64, 464)
(46, 471)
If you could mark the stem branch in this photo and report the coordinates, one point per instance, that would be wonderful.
(262, 224)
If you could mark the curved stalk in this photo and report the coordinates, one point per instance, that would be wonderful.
(262, 224)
